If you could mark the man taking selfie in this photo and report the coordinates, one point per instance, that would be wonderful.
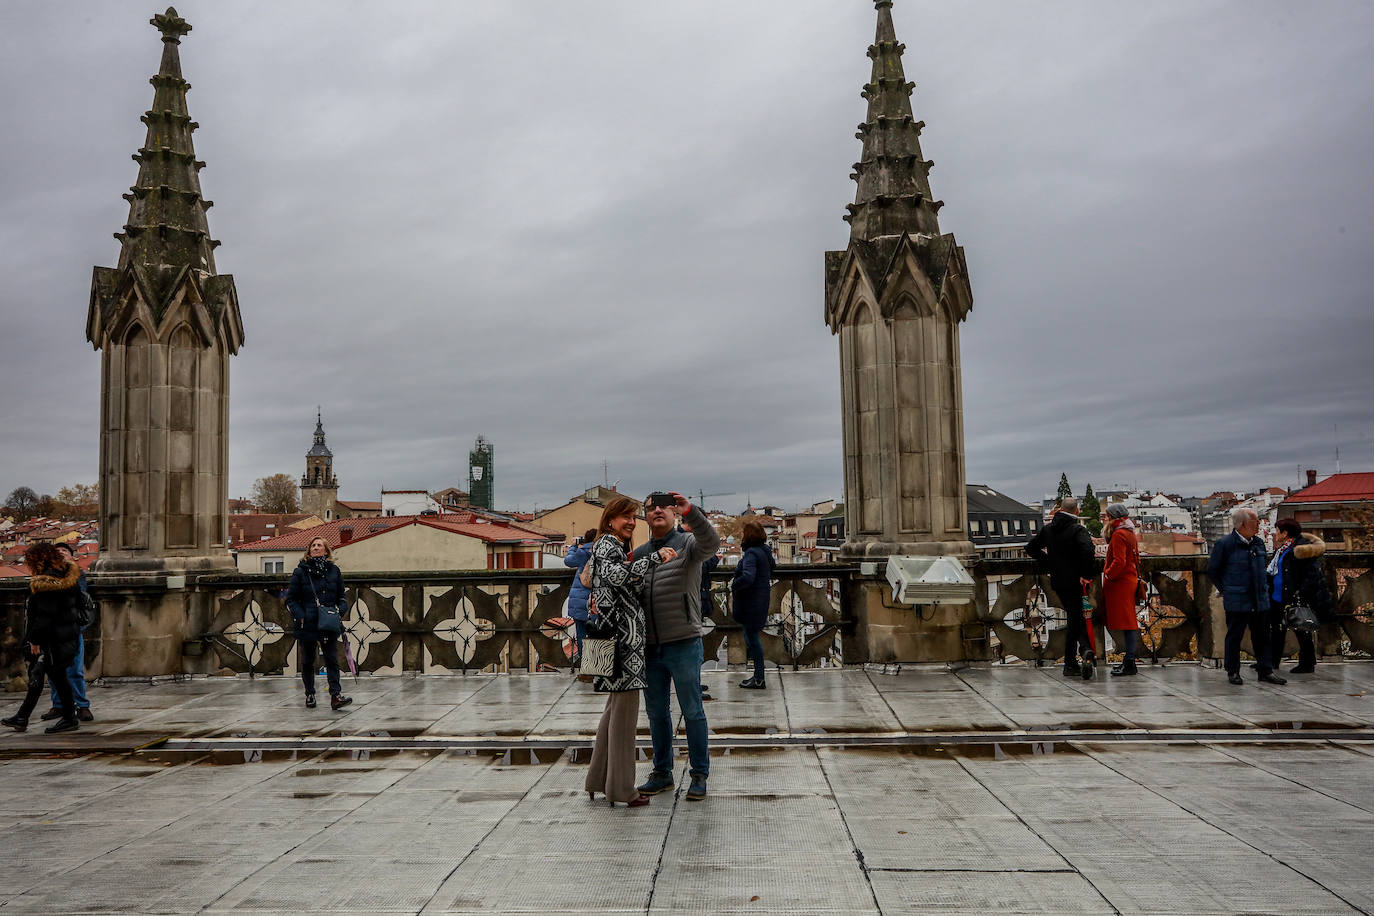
(671, 597)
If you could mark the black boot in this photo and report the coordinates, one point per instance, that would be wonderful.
(753, 683)
(339, 701)
(1087, 666)
(309, 701)
(18, 723)
(1125, 669)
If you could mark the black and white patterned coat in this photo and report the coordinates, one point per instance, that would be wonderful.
(615, 579)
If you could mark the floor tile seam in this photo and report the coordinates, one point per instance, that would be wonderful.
(534, 729)
(132, 840)
(868, 675)
(973, 689)
(1199, 700)
(1288, 778)
(1057, 851)
(1215, 826)
(1304, 698)
(118, 787)
(854, 844)
(973, 871)
(496, 824)
(663, 846)
(282, 857)
(1075, 686)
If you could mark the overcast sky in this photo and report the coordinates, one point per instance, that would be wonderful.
(594, 231)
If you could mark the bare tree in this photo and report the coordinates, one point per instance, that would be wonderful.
(22, 503)
(276, 493)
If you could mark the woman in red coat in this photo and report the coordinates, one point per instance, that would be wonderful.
(1119, 577)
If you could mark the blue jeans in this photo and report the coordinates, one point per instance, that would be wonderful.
(678, 663)
(581, 627)
(753, 645)
(75, 675)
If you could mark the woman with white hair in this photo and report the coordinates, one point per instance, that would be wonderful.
(1120, 575)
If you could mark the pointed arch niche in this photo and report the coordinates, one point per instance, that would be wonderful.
(135, 426)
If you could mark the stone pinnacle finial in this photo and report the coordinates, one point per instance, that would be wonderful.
(879, 4)
(170, 25)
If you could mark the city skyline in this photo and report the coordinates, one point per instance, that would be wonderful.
(637, 212)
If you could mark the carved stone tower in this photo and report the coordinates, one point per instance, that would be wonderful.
(166, 325)
(896, 297)
(319, 486)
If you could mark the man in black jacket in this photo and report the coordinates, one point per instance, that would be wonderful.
(1064, 548)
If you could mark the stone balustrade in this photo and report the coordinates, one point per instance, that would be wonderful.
(485, 620)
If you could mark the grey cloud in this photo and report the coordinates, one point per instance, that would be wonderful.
(594, 232)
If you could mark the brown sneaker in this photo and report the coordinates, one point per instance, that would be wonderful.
(84, 714)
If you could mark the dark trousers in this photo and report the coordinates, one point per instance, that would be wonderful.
(1236, 625)
(328, 647)
(1075, 628)
(44, 667)
(753, 646)
(1278, 636)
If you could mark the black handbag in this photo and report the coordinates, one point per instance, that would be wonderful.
(1301, 618)
(329, 621)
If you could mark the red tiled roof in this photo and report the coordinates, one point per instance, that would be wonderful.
(299, 539)
(254, 526)
(1337, 488)
(360, 505)
(12, 572)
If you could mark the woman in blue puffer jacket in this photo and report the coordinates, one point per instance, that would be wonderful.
(577, 598)
(751, 590)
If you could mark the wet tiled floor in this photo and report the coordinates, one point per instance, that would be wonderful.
(1247, 822)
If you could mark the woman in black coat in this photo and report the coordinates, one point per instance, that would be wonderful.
(52, 629)
(317, 583)
(1296, 577)
(751, 589)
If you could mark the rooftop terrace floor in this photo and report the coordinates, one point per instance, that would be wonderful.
(1005, 789)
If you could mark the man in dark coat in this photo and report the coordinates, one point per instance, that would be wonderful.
(1237, 570)
(1064, 549)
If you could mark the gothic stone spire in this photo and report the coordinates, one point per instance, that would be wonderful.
(167, 236)
(166, 324)
(896, 296)
(893, 193)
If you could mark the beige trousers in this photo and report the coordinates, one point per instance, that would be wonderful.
(612, 770)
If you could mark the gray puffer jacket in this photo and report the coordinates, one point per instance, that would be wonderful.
(671, 593)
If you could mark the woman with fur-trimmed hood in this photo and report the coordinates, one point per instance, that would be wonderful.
(1296, 577)
(52, 629)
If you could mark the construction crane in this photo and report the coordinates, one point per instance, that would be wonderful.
(701, 498)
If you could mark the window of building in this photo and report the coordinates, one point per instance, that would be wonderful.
(976, 526)
(1020, 526)
(273, 564)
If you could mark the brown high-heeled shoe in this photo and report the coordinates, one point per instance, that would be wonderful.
(591, 794)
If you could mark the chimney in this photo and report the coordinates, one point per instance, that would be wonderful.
(1311, 477)
(345, 534)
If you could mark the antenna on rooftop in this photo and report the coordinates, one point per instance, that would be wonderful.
(1336, 432)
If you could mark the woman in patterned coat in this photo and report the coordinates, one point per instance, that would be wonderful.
(614, 578)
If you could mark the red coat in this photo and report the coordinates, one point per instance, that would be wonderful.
(1119, 579)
